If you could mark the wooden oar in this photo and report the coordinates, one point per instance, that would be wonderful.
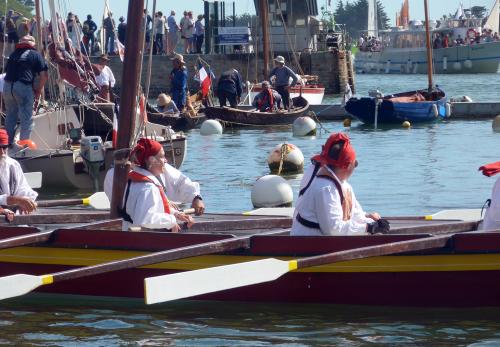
(98, 201)
(20, 284)
(192, 283)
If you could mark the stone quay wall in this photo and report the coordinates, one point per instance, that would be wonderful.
(334, 69)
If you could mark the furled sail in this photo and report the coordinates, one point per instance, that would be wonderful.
(372, 18)
(493, 21)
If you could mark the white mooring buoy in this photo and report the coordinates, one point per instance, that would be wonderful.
(211, 127)
(286, 158)
(272, 191)
(304, 126)
(496, 124)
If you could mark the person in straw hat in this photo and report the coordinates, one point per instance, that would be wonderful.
(178, 81)
(281, 75)
(166, 104)
(26, 74)
(145, 201)
(326, 204)
(104, 78)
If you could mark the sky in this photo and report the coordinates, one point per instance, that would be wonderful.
(119, 7)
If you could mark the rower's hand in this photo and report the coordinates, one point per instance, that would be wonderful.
(199, 206)
(176, 228)
(26, 205)
(9, 215)
(374, 215)
(187, 219)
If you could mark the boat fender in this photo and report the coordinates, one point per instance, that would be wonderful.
(468, 64)
(286, 158)
(457, 66)
(448, 109)
(211, 127)
(435, 110)
(409, 65)
(271, 191)
(471, 33)
(388, 66)
(496, 124)
(415, 68)
(445, 63)
(304, 126)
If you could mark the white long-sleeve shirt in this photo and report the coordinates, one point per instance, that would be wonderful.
(492, 216)
(145, 206)
(105, 78)
(321, 204)
(178, 187)
(10, 171)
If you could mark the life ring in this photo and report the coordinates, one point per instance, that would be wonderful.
(471, 33)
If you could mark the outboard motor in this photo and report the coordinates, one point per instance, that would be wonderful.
(92, 153)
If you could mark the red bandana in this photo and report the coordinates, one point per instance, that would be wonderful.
(490, 169)
(4, 138)
(144, 149)
(347, 154)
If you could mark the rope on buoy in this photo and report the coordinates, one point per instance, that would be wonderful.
(313, 115)
(283, 150)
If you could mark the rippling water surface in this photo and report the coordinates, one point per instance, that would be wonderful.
(401, 172)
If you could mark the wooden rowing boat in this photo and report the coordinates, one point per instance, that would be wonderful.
(244, 117)
(465, 271)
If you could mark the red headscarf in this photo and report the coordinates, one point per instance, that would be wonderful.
(4, 138)
(347, 154)
(144, 149)
(490, 169)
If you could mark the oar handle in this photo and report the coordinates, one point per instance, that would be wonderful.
(188, 211)
(61, 202)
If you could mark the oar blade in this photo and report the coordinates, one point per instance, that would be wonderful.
(191, 283)
(98, 200)
(17, 285)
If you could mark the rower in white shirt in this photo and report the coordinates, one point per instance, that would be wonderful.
(14, 188)
(491, 219)
(145, 201)
(178, 187)
(326, 204)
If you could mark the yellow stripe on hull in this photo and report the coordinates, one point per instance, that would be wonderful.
(413, 263)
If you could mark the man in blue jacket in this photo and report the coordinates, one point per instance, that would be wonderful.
(282, 75)
(178, 80)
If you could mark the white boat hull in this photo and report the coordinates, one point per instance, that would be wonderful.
(314, 95)
(480, 58)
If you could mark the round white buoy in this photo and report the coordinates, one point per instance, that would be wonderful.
(272, 191)
(468, 64)
(406, 124)
(457, 66)
(435, 110)
(448, 110)
(288, 156)
(211, 127)
(304, 126)
(496, 124)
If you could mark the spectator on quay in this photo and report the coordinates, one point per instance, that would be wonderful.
(26, 74)
(11, 28)
(178, 79)
(147, 26)
(187, 32)
(89, 28)
(192, 41)
(173, 29)
(199, 33)
(109, 26)
(71, 26)
(122, 30)
(159, 33)
(459, 41)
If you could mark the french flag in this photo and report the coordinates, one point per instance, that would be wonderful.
(205, 81)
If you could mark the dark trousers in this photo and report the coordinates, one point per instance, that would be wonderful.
(223, 96)
(285, 96)
(199, 43)
(158, 46)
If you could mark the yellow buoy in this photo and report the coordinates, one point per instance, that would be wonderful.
(406, 124)
(347, 122)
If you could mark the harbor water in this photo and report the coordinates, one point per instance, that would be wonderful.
(413, 171)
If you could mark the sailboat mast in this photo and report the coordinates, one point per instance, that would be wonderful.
(263, 4)
(128, 97)
(39, 34)
(428, 43)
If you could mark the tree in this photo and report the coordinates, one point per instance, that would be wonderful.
(23, 6)
(355, 16)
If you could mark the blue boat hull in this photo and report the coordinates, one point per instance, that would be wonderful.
(397, 112)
